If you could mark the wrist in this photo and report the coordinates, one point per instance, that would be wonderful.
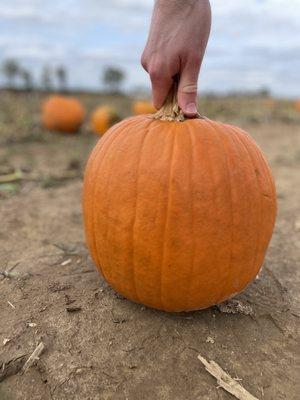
(178, 3)
(168, 6)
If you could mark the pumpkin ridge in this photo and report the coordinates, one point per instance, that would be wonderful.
(219, 133)
(166, 220)
(271, 181)
(188, 293)
(135, 207)
(258, 152)
(148, 272)
(103, 142)
(219, 143)
(93, 156)
(237, 136)
(268, 176)
(114, 139)
(263, 162)
(267, 173)
(135, 124)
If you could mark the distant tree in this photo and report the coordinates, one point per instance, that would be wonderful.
(27, 79)
(61, 74)
(11, 70)
(46, 80)
(264, 92)
(113, 78)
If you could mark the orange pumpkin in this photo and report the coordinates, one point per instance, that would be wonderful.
(103, 118)
(178, 213)
(61, 113)
(143, 107)
(297, 105)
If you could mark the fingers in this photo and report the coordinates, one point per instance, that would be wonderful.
(161, 86)
(187, 90)
(161, 80)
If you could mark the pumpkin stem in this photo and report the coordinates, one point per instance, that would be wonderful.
(171, 111)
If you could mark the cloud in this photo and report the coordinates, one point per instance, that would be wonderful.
(253, 43)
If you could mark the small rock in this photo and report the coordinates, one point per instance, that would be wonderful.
(72, 309)
(58, 287)
(297, 225)
(74, 164)
(5, 341)
(66, 262)
(119, 320)
(119, 296)
(68, 300)
(235, 307)
(209, 339)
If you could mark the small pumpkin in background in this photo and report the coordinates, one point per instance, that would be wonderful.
(178, 212)
(103, 118)
(62, 113)
(297, 105)
(143, 107)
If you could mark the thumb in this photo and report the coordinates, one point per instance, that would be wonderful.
(187, 90)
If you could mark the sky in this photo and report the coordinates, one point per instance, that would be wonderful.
(253, 44)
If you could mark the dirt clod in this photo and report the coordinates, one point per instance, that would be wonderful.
(235, 307)
(73, 309)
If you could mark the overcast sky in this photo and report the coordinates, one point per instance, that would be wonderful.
(254, 43)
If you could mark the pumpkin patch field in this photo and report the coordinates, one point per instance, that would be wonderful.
(65, 333)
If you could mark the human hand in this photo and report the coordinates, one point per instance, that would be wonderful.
(176, 45)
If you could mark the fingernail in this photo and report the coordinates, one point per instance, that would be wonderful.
(191, 108)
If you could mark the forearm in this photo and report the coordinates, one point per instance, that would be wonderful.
(170, 15)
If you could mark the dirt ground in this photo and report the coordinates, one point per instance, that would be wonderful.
(98, 345)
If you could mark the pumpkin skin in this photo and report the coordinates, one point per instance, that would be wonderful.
(143, 107)
(64, 114)
(178, 215)
(297, 105)
(103, 118)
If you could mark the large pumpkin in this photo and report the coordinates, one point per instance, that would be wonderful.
(178, 213)
(61, 113)
(103, 118)
(141, 107)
